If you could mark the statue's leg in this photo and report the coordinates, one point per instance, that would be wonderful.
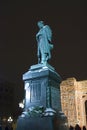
(43, 58)
(39, 55)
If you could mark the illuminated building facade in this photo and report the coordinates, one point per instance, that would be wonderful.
(74, 101)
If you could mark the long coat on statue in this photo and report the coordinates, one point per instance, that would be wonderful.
(44, 37)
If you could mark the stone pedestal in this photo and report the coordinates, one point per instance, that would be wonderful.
(42, 108)
(57, 122)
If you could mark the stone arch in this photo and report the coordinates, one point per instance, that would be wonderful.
(86, 110)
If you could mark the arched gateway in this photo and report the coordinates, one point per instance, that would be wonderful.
(86, 110)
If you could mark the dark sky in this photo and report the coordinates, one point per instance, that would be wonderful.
(18, 27)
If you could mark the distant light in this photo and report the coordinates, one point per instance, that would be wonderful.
(4, 119)
(10, 119)
(21, 105)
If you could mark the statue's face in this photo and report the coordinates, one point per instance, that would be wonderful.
(40, 24)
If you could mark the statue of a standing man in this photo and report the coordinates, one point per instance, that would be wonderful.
(44, 41)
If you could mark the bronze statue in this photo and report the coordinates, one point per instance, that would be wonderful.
(44, 42)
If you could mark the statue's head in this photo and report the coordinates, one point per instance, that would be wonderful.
(40, 24)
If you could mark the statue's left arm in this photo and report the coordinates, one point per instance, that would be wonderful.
(48, 33)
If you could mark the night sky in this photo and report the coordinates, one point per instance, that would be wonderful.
(18, 27)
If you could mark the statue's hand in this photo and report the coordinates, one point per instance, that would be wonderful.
(51, 46)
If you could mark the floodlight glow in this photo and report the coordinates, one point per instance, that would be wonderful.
(27, 88)
(28, 94)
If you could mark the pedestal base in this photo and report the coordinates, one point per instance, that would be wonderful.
(57, 122)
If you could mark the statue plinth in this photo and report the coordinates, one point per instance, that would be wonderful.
(42, 84)
(42, 108)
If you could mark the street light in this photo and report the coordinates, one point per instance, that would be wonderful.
(10, 119)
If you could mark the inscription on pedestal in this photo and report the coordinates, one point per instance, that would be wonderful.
(55, 97)
(35, 90)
